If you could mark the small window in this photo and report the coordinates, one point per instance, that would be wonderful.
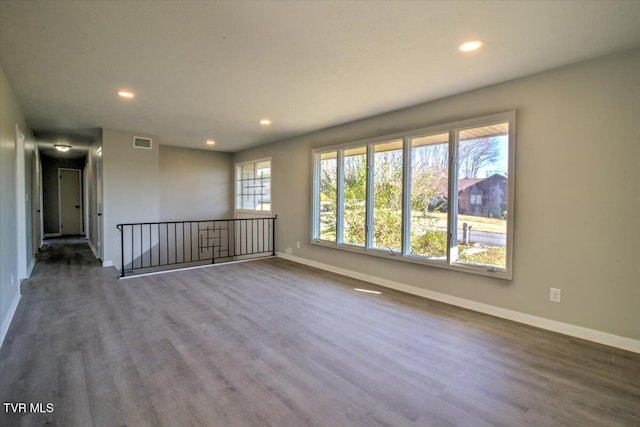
(253, 185)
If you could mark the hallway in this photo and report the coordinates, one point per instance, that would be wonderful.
(54, 327)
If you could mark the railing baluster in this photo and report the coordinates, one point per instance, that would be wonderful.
(244, 237)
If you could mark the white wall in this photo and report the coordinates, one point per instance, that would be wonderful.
(10, 115)
(195, 184)
(577, 199)
(94, 172)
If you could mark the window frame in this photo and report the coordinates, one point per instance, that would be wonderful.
(452, 206)
(238, 167)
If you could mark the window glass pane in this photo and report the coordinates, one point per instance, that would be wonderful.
(354, 196)
(263, 186)
(328, 196)
(246, 186)
(429, 189)
(254, 186)
(387, 195)
(483, 189)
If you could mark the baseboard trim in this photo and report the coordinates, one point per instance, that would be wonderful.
(32, 264)
(153, 273)
(6, 322)
(94, 250)
(581, 332)
(107, 263)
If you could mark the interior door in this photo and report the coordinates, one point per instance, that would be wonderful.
(70, 191)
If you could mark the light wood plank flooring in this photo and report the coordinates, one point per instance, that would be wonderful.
(273, 343)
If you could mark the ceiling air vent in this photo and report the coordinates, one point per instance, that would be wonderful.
(140, 142)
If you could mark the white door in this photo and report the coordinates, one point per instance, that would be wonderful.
(70, 193)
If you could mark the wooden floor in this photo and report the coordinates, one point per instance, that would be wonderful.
(273, 343)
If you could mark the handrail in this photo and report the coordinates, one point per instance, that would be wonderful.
(152, 246)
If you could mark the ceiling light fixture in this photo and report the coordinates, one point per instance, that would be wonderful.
(471, 45)
(210, 142)
(265, 122)
(126, 94)
(62, 147)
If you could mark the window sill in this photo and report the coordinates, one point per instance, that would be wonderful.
(480, 270)
(253, 212)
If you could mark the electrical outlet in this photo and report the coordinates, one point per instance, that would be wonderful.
(555, 294)
(298, 245)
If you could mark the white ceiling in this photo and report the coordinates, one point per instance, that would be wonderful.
(206, 70)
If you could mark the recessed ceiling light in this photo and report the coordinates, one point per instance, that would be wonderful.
(265, 122)
(471, 45)
(126, 94)
(210, 142)
(62, 147)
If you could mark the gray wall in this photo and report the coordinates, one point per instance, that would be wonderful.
(50, 208)
(10, 115)
(577, 203)
(195, 184)
(164, 183)
(131, 186)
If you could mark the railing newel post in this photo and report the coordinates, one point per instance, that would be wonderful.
(273, 236)
(120, 227)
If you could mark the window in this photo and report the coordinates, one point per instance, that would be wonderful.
(328, 196)
(439, 196)
(354, 190)
(253, 185)
(429, 188)
(387, 195)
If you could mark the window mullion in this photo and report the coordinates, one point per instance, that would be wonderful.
(406, 196)
(370, 198)
(315, 232)
(340, 196)
(452, 232)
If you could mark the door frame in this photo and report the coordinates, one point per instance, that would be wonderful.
(21, 202)
(79, 171)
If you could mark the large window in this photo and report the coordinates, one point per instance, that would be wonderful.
(253, 185)
(439, 196)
